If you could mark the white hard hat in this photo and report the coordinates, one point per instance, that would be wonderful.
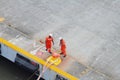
(50, 34)
(60, 38)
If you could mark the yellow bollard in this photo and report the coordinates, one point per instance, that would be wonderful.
(56, 61)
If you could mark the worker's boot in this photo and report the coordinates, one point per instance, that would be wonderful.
(50, 52)
(64, 56)
(61, 53)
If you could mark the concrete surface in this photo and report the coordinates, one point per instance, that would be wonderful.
(89, 27)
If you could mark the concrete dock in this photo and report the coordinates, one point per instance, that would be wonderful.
(89, 27)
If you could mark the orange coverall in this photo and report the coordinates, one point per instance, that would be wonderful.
(63, 47)
(48, 43)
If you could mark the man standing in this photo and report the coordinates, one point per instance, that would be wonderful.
(63, 46)
(48, 42)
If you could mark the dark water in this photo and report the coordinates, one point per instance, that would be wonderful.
(11, 71)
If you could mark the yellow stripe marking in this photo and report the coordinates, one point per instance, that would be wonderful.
(2, 19)
(38, 60)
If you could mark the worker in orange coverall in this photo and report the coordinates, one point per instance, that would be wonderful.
(63, 46)
(48, 42)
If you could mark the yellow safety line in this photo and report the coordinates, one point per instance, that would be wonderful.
(38, 60)
(2, 19)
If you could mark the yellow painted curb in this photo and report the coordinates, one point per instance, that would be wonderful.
(2, 19)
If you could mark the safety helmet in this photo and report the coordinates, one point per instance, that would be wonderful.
(60, 38)
(50, 34)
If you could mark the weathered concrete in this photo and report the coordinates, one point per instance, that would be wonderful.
(90, 28)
